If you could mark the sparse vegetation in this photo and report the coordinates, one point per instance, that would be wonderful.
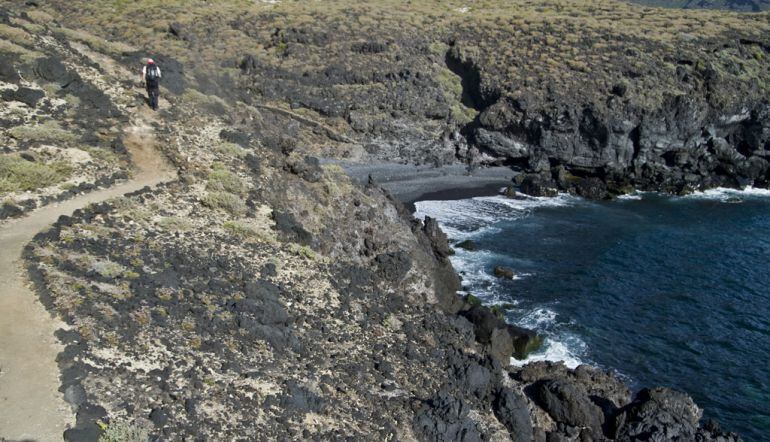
(15, 35)
(102, 154)
(230, 203)
(112, 48)
(123, 432)
(18, 174)
(472, 300)
(555, 47)
(212, 103)
(303, 251)
(239, 230)
(111, 270)
(231, 150)
(222, 180)
(174, 224)
(49, 131)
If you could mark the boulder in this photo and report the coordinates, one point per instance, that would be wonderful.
(309, 169)
(536, 185)
(664, 414)
(159, 417)
(511, 192)
(504, 340)
(25, 95)
(512, 410)
(467, 245)
(446, 417)
(286, 223)
(568, 404)
(504, 272)
(8, 72)
(10, 210)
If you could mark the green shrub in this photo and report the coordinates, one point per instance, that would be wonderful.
(221, 180)
(18, 174)
(231, 150)
(15, 35)
(230, 203)
(102, 154)
(303, 251)
(450, 82)
(497, 311)
(109, 269)
(123, 432)
(196, 99)
(472, 300)
(174, 223)
(50, 131)
(114, 48)
(238, 230)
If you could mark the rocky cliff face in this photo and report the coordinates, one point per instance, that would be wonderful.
(264, 295)
(695, 135)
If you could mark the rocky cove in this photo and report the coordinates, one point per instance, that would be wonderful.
(266, 295)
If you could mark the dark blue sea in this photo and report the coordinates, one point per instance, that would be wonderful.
(664, 291)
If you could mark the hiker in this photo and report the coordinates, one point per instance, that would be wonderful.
(151, 78)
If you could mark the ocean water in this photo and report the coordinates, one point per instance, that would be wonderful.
(665, 291)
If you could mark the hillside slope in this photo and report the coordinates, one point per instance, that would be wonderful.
(263, 294)
(592, 97)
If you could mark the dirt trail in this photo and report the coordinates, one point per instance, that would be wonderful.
(31, 408)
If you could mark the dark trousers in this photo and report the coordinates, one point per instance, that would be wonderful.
(153, 91)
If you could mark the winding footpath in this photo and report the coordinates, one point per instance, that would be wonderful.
(31, 407)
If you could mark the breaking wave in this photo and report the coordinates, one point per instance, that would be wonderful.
(476, 218)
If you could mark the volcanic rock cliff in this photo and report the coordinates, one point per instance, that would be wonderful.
(263, 295)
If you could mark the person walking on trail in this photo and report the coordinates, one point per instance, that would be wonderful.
(151, 78)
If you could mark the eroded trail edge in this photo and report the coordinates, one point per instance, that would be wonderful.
(31, 407)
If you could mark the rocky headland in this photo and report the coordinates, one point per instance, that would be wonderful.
(265, 293)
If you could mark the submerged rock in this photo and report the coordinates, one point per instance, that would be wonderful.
(467, 245)
(504, 272)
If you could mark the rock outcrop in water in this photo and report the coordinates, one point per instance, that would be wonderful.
(264, 295)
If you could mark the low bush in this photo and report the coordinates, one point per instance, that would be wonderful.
(230, 203)
(238, 230)
(18, 174)
(174, 224)
(231, 150)
(221, 180)
(123, 432)
(50, 131)
(113, 48)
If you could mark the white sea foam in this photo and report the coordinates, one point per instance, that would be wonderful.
(463, 219)
(630, 197)
(567, 350)
(729, 195)
(475, 217)
(538, 318)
